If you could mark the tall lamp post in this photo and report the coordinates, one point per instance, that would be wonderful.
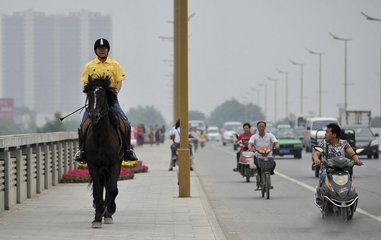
(320, 82)
(286, 78)
(378, 20)
(345, 40)
(257, 93)
(181, 78)
(265, 86)
(275, 94)
(301, 65)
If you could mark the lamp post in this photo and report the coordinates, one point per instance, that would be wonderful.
(378, 20)
(301, 65)
(275, 94)
(176, 81)
(181, 79)
(286, 76)
(320, 82)
(252, 89)
(345, 40)
(265, 86)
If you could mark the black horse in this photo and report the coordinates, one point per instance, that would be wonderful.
(103, 147)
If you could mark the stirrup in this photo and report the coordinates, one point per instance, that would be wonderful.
(79, 157)
(129, 155)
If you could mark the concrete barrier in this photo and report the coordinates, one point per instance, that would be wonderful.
(30, 163)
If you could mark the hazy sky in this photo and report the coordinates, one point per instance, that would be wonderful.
(235, 44)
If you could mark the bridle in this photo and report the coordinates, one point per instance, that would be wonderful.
(97, 106)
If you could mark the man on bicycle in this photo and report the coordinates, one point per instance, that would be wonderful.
(263, 138)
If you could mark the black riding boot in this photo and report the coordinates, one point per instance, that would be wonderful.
(80, 155)
(129, 154)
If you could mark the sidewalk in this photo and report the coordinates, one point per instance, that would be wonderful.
(148, 207)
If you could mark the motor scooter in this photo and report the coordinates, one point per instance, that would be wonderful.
(265, 164)
(337, 193)
(246, 166)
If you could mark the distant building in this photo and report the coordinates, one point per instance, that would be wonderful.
(43, 57)
(6, 110)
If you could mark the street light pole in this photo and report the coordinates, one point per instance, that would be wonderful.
(320, 81)
(286, 102)
(275, 95)
(345, 67)
(264, 85)
(301, 65)
(181, 74)
(257, 93)
(378, 20)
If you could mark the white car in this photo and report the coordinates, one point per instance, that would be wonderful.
(228, 131)
(213, 134)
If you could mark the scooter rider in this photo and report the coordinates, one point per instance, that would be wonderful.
(263, 138)
(175, 137)
(333, 146)
(245, 136)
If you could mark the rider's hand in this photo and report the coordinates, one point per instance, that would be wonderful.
(359, 162)
(317, 162)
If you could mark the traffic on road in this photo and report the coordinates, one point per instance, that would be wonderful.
(291, 211)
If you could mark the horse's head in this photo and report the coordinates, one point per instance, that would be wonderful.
(100, 96)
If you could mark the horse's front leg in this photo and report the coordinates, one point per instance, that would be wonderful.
(111, 193)
(98, 201)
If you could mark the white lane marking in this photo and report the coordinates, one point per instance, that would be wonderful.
(295, 181)
(362, 211)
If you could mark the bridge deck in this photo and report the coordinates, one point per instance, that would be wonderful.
(148, 207)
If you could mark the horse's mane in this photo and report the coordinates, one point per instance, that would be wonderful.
(103, 81)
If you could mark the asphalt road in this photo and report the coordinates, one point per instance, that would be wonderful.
(290, 212)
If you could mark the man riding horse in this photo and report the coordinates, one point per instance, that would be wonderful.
(103, 65)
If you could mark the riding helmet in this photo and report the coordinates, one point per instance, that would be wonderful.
(101, 42)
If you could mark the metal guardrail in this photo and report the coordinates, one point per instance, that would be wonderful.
(31, 163)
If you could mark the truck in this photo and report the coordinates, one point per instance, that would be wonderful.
(355, 117)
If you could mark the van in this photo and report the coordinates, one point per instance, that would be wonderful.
(301, 119)
(314, 130)
(198, 124)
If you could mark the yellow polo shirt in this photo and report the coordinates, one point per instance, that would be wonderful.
(109, 67)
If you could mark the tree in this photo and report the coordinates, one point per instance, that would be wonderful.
(54, 125)
(24, 122)
(147, 115)
(232, 110)
(196, 115)
(7, 128)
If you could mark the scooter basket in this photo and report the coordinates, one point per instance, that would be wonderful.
(266, 164)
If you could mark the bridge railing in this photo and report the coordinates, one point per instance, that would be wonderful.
(31, 163)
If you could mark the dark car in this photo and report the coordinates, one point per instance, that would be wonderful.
(289, 143)
(365, 139)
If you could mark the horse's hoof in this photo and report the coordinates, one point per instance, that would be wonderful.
(108, 220)
(95, 224)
